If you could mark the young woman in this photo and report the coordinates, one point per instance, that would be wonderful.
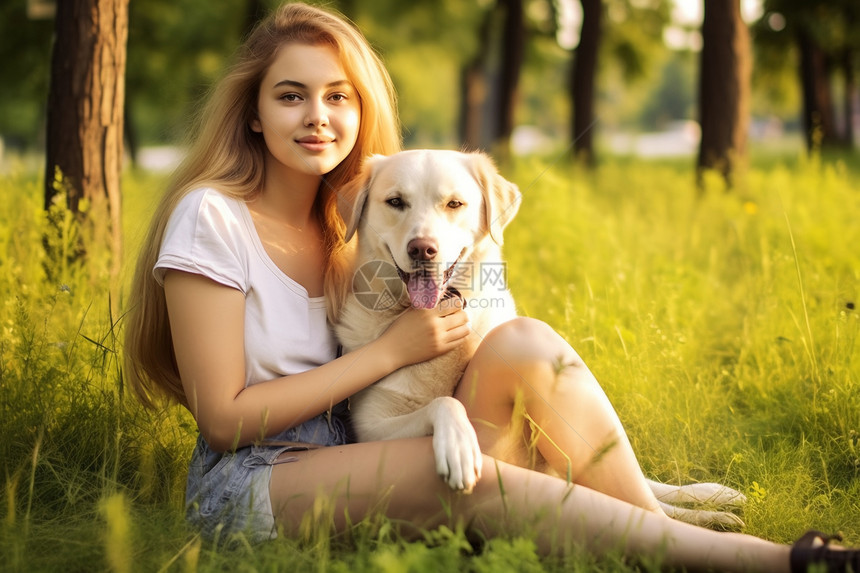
(229, 318)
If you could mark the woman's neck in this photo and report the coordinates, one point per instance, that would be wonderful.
(289, 199)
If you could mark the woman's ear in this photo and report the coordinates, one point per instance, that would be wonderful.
(255, 125)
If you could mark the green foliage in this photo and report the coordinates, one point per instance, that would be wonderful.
(424, 44)
(71, 437)
(833, 25)
(176, 49)
(634, 33)
(25, 50)
(673, 96)
(722, 327)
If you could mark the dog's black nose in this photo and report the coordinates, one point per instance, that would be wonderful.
(422, 249)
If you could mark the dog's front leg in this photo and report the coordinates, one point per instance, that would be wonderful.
(455, 444)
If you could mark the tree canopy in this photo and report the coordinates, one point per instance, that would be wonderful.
(176, 49)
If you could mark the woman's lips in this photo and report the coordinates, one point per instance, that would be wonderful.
(315, 143)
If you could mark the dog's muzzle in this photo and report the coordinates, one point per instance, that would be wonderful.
(423, 287)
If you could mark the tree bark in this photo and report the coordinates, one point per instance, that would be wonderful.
(85, 108)
(582, 81)
(513, 49)
(724, 88)
(819, 122)
(475, 90)
(849, 95)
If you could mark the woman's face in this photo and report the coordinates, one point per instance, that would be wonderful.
(308, 111)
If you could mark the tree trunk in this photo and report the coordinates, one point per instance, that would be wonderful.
(850, 95)
(582, 81)
(85, 108)
(818, 114)
(724, 88)
(513, 47)
(132, 143)
(475, 90)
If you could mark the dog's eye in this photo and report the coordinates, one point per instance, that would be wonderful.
(396, 202)
(454, 204)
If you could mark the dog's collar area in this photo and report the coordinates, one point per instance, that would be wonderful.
(451, 292)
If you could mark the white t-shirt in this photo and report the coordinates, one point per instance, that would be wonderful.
(286, 331)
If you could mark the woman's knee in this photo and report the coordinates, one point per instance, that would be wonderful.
(526, 340)
(527, 359)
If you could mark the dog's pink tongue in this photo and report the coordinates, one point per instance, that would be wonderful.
(423, 290)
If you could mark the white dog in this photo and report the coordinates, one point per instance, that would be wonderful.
(429, 226)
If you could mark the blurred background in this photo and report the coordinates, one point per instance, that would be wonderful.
(492, 74)
(723, 324)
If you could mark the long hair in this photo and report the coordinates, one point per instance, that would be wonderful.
(226, 154)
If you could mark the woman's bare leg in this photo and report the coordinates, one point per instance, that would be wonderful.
(525, 363)
(398, 478)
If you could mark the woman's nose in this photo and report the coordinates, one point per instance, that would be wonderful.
(317, 115)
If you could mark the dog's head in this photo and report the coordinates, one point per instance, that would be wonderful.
(425, 210)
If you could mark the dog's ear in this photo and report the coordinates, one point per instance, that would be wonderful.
(501, 197)
(352, 196)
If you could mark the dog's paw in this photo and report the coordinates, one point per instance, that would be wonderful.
(455, 445)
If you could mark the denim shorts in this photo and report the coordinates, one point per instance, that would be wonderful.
(228, 493)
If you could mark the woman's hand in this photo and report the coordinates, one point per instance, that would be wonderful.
(421, 334)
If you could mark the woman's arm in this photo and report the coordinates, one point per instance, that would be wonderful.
(207, 325)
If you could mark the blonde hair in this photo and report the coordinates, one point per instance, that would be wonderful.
(226, 154)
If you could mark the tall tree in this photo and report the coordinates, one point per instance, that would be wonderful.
(85, 107)
(819, 121)
(475, 89)
(724, 87)
(490, 79)
(625, 34)
(512, 53)
(825, 37)
(582, 81)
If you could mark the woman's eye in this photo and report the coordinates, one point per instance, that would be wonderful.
(291, 97)
(338, 97)
(396, 202)
(454, 204)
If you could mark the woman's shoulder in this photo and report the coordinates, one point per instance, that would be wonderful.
(202, 199)
(207, 234)
(205, 207)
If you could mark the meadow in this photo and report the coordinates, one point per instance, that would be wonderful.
(722, 324)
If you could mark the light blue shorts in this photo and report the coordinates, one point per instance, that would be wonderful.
(228, 493)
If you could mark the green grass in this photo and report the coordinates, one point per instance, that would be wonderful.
(719, 325)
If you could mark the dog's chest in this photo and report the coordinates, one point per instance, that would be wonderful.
(359, 325)
(425, 381)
